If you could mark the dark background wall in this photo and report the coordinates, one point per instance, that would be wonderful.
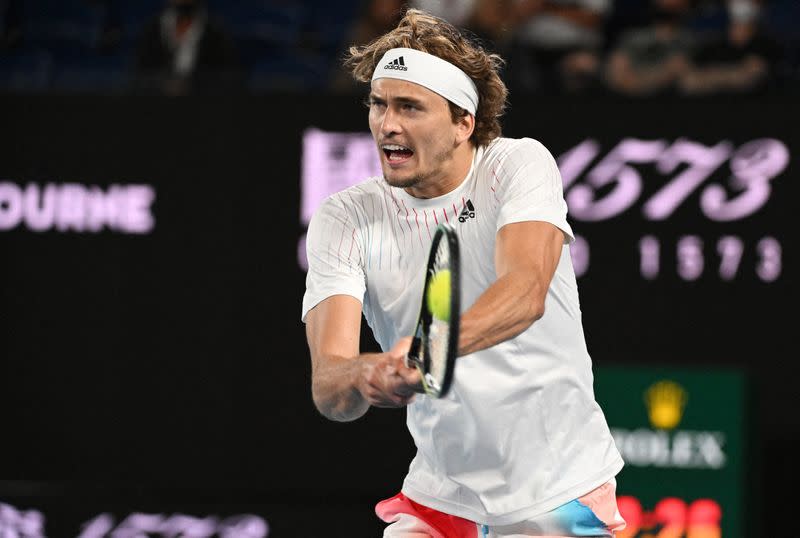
(170, 368)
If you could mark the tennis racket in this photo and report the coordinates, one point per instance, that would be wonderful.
(435, 343)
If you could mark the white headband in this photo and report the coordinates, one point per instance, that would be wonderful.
(432, 72)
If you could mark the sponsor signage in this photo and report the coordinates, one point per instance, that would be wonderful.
(682, 436)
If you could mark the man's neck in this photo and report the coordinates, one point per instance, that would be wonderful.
(455, 173)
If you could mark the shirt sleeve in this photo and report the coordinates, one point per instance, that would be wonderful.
(334, 253)
(532, 188)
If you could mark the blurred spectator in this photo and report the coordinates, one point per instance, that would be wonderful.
(10, 27)
(707, 18)
(650, 60)
(110, 33)
(557, 45)
(455, 12)
(780, 19)
(183, 50)
(491, 20)
(377, 18)
(741, 60)
(488, 20)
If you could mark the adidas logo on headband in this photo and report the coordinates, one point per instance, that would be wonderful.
(398, 64)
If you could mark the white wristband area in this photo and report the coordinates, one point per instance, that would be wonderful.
(431, 72)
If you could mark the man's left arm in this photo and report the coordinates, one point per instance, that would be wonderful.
(526, 257)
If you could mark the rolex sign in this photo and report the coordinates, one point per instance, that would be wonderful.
(682, 436)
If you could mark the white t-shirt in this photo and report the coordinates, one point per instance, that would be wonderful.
(520, 432)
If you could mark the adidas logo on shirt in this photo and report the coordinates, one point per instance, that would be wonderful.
(467, 213)
(398, 64)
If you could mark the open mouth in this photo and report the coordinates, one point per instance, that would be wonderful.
(396, 153)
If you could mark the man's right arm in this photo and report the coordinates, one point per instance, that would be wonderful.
(344, 382)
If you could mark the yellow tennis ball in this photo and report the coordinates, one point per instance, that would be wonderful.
(439, 295)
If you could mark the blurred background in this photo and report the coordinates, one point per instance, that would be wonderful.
(586, 47)
(159, 163)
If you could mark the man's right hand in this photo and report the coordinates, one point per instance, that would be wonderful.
(345, 382)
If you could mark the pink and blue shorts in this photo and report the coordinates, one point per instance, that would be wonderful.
(592, 515)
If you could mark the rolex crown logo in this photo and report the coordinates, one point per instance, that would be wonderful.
(665, 401)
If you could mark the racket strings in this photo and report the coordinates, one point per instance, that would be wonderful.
(439, 330)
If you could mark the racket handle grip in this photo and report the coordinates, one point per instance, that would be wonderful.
(412, 357)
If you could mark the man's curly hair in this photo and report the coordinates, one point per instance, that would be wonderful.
(422, 31)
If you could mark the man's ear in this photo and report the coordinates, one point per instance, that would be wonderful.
(465, 125)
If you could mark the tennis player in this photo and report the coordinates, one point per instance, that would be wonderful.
(519, 446)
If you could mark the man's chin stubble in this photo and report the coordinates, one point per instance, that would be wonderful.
(403, 183)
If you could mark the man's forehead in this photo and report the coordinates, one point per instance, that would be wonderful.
(389, 88)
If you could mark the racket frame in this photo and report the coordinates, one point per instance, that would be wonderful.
(419, 353)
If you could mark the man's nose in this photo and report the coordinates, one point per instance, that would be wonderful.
(390, 123)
